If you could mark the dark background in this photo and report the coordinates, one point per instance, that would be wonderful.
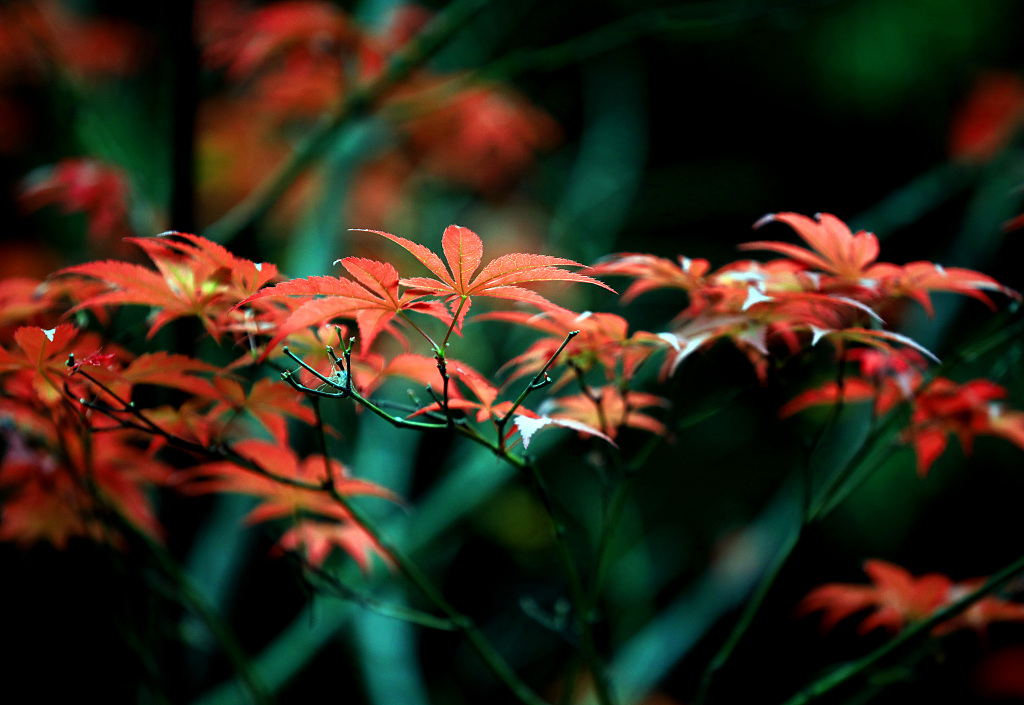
(677, 137)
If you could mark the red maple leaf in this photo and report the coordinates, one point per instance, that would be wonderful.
(602, 341)
(319, 538)
(42, 355)
(322, 522)
(485, 393)
(653, 272)
(88, 186)
(612, 411)
(895, 597)
(940, 408)
(500, 278)
(193, 277)
(835, 249)
(280, 498)
(372, 300)
(851, 259)
(267, 401)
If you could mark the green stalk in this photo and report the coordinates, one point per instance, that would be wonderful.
(455, 319)
(577, 595)
(749, 613)
(490, 655)
(484, 648)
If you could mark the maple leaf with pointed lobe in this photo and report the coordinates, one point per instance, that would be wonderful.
(319, 538)
(885, 377)
(973, 408)
(45, 491)
(896, 598)
(279, 498)
(248, 43)
(41, 358)
(486, 394)
(372, 300)
(613, 411)
(653, 272)
(851, 258)
(834, 249)
(370, 371)
(982, 613)
(500, 278)
(322, 523)
(939, 408)
(193, 277)
(602, 341)
(25, 301)
(529, 424)
(173, 371)
(915, 279)
(89, 186)
(267, 401)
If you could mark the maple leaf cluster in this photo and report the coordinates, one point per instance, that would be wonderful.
(82, 457)
(940, 407)
(290, 63)
(63, 386)
(89, 186)
(896, 598)
(836, 290)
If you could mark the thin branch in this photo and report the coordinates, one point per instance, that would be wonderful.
(541, 379)
(371, 603)
(484, 648)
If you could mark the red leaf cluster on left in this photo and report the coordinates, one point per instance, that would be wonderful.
(193, 277)
(78, 448)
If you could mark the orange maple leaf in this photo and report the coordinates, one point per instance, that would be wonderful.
(500, 278)
(372, 300)
(894, 596)
(897, 598)
(194, 277)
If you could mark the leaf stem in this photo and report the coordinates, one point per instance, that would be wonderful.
(419, 330)
(440, 351)
(539, 380)
(371, 603)
(484, 648)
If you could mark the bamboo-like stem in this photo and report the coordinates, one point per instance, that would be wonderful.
(577, 594)
(750, 611)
